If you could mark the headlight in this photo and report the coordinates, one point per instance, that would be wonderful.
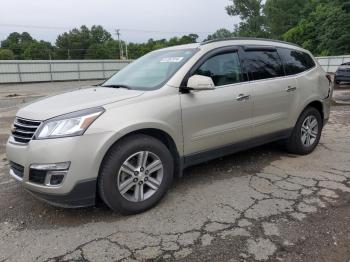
(72, 124)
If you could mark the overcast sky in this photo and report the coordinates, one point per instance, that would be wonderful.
(135, 18)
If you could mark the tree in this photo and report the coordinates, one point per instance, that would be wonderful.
(6, 54)
(38, 50)
(75, 43)
(220, 34)
(98, 35)
(97, 51)
(137, 50)
(17, 43)
(252, 19)
(108, 50)
(188, 39)
(282, 15)
(113, 48)
(326, 31)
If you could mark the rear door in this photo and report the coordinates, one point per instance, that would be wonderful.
(272, 94)
(300, 67)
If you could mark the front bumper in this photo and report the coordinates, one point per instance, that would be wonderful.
(82, 195)
(85, 154)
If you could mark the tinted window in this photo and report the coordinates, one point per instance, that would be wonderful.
(263, 64)
(295, 62)
(224, 69)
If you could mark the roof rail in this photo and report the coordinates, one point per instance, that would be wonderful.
(247, 38)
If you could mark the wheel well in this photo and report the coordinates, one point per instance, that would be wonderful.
(167, 140)
(318, 105)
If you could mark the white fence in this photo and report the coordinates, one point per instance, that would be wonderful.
(22, 71)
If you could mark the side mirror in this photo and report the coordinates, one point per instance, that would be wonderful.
(200, 83)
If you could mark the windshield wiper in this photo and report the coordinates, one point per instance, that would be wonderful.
(117, 86)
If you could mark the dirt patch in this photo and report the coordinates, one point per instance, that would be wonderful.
(324, 236)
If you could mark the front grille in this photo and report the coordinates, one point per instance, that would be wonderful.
(23, 129)
(17, 169)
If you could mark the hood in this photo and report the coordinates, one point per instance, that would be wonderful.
(74, 101)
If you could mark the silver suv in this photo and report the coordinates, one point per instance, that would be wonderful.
(126, 139)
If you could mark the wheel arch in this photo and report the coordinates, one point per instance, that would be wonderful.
(159, 134)
(317, 105)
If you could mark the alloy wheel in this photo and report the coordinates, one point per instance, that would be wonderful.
(140, 176)
(309, 131)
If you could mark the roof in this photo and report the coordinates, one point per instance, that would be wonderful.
(239, 41)
(248, 38)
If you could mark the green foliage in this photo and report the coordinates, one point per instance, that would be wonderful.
(325, 31)
(282, 15)
(76, 43)
(220, 34)
(97, 43)
(322, 26)
(6, 54)
(83, 43)
(38, 50)
(17, 43)
(252, 19)
(107, 50)
(137, 50)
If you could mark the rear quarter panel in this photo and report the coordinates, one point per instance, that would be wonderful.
(313, 86)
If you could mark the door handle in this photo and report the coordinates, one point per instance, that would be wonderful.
(243, 97)
(291, 89)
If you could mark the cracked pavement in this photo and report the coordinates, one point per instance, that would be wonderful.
(258, 205)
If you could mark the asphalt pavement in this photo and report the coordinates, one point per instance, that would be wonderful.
(258, 205)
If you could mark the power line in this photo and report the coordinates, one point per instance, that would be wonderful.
(124, 29)
(35, 26)
(165, 32)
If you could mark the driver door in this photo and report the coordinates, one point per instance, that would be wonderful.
(219, 117)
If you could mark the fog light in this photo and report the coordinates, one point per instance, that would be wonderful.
(56, 177)
(48, 174)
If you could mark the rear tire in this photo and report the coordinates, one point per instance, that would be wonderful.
(306, 133)
(135, 174)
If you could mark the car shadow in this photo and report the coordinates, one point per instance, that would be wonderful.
(30, 213)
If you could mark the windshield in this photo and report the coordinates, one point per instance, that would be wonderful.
(150, 71)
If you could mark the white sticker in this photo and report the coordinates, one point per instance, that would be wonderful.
(172, 59)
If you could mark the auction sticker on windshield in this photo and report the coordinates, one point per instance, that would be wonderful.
(172, 59)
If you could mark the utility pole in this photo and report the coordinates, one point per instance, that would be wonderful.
(117, 32)
(126, 50)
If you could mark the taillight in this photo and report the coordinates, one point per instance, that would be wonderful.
(329, 77)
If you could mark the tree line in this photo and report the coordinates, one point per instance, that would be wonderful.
(321, 26)
(82, 43)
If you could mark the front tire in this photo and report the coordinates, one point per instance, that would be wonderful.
(135, 174)
(306, 133)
